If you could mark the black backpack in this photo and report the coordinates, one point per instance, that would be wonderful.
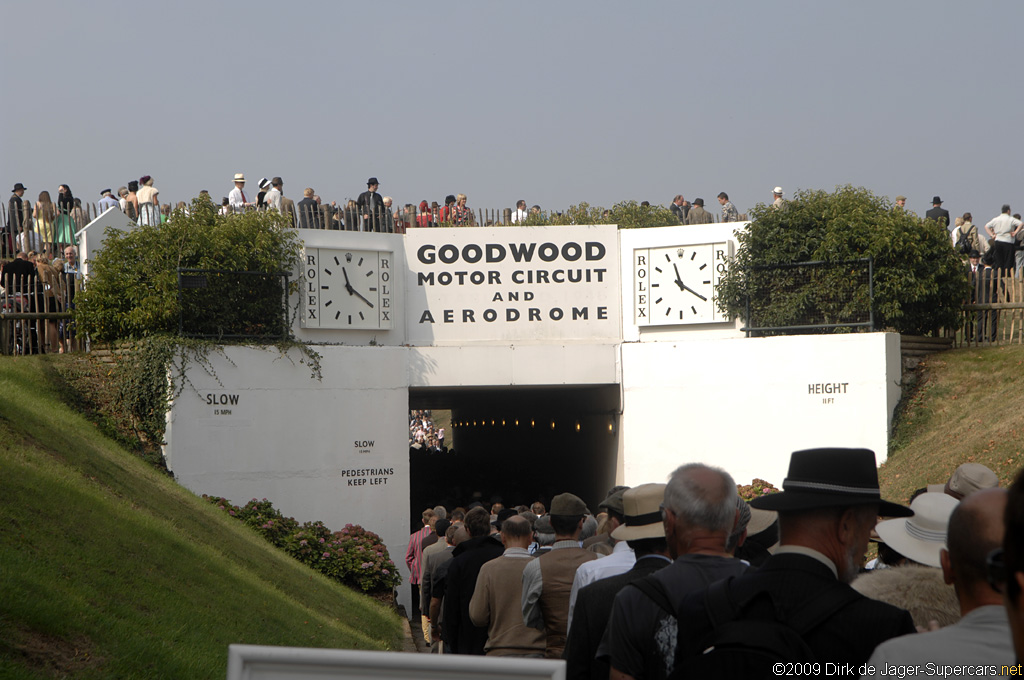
(748, 647)
(963, 243)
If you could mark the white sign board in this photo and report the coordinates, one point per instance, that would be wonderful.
(90, 237)
(503, 284)
(253, 662)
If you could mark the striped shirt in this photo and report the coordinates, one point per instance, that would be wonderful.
(414, 554)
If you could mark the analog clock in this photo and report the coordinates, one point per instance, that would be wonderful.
(347, 288)
(677, 284)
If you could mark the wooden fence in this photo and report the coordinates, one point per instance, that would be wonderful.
(35, 312)
(994, 315)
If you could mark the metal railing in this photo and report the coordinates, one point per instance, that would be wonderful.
(808, 297)
(329, 216)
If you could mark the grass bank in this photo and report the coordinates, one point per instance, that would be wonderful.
(968, 407)
(108, 568)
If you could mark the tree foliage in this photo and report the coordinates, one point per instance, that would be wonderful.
(132, 291)
(918, 278)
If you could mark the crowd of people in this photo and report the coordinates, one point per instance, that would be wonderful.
(686, 579)
(47, 227)
(423, 434)
(34, 282)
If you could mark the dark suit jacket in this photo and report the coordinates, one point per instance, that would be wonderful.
(309, 214)
(937, 214)
(460, 582)
(679, 211)
(590, 618)
(789, 582)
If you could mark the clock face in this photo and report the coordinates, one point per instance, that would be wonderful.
(347, 288)
(677, 284)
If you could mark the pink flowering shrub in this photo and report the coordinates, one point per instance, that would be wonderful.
(756, 488)
(358, 558)
(353, 556)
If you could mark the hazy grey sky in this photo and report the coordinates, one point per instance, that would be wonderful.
(553, 102)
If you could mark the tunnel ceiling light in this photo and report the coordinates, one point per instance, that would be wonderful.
(552, 424)
(517, 422)
(532, 422)
(577, 426)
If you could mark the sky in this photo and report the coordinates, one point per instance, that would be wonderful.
(553, 102)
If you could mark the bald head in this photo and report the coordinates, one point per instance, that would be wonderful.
(976, 528)
(458, 535)
(516, 532)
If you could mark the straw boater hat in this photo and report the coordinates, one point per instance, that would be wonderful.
(642, 510)
(830, 478)
(922, 536)
(239, 177)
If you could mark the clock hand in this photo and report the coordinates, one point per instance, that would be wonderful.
(356, 293)
(679, 279)
(348, 286)
(695, 293)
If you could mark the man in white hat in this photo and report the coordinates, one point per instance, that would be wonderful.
(777, 194)
(236, 199)
(914, 580)
(643, 531)
(982, 636)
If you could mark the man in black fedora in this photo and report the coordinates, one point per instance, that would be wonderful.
(371, 206)
(938, 213)
(829, 504)
(15, 219)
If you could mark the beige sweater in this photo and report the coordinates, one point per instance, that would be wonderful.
(497, 605)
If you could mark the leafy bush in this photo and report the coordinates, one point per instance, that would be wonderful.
(132, 291)
(268, 521)
(919, 281)
(626, 214)
(353, 556)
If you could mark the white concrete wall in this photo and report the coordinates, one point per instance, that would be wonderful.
(302, 443)
(90, 237)
(746, 404)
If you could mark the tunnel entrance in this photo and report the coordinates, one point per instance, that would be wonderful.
(517, 445)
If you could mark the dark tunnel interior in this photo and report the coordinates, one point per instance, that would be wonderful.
(517, 446)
